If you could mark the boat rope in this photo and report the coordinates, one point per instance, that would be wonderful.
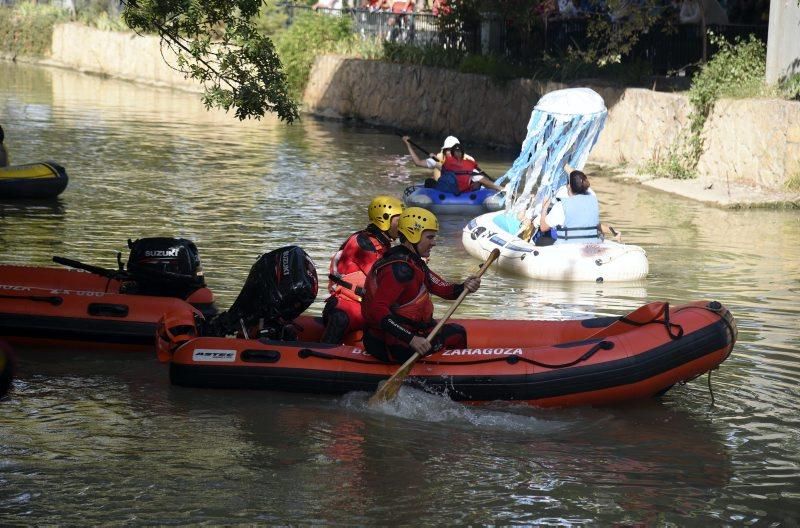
(512, 360)
(710, 390)
(716, 307)
(615, 256)
(724, 315)
(304, 353)
(54, 299)
(665, 321)
(521, 254)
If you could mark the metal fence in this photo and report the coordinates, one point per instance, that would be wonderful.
(666, 47)
(417, 28)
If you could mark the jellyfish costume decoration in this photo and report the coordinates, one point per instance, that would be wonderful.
(563, 128)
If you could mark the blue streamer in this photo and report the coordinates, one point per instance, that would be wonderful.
(556, 135)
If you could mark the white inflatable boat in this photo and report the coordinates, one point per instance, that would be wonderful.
(604, 262)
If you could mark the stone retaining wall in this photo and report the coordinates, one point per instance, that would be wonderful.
(747, 141)
(116, 54)
(750, 141)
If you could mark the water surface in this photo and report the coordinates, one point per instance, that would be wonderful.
(104, 438)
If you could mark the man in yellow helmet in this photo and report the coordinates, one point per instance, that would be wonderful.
(350, 265)
(397, 306)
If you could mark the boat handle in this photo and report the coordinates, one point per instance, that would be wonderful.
(108, 310)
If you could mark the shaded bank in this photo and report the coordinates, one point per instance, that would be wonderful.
(752, 145)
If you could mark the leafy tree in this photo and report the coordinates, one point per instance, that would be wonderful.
(613, 30)
(217, 42)
(310, 35)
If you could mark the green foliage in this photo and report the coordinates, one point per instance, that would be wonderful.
(422, 55)
(311, 34)
(611, 37)
(736, 70)
(497, 69)
(27, 28)
(101, 14)
(790, 87)
(675, 163)
(217, 43)
(793, 182)
(271, 19)
(103, 21)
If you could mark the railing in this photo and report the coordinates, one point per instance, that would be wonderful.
(417, 28)
(667, 48)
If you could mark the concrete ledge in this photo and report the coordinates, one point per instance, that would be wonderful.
(722, 194)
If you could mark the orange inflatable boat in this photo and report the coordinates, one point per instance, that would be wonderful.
(101, 308)
(544, 363)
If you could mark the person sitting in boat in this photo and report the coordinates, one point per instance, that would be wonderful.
(444, 152)
(459, 173)
(350, 265)
(397, 306)
(3, 151)
(574, 217)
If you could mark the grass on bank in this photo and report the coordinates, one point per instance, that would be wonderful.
(27, 29)
(736, 71)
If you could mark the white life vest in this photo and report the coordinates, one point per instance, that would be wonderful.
(581, 219)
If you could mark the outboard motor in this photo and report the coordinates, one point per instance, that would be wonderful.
(164, 266)
(281, 285)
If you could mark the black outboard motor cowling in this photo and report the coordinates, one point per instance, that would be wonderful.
(164, 266)
(281, 285)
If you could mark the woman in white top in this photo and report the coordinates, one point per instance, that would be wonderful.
(574, 218)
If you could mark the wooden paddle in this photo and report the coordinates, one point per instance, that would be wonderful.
(388, 389)
(428, 153)
(433, 156)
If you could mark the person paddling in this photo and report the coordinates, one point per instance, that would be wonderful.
(397, 305)
(459, 173)
(350, 265)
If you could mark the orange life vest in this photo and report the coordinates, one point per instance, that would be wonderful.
(462, 168)
(346, 278)
(416, 314)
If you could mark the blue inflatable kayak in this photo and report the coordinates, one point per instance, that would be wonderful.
(440, 202)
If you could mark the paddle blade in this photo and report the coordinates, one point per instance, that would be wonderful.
(388, 389)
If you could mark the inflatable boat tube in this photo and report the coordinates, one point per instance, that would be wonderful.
(543, 363)
(603, 262)
(33, 181)
(440, 202)
(70, 309)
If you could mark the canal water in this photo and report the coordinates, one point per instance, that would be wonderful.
(103, 438)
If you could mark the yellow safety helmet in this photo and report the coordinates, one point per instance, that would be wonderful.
(382, 209)
(414, 221)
